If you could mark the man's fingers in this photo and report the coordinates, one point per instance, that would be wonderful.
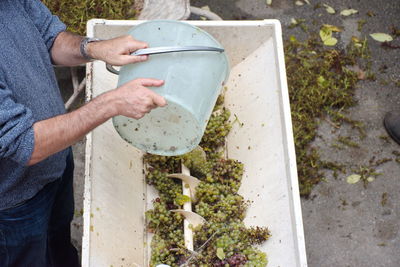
(149, 82)
(159, 100)
(127, 59)
(136, 44)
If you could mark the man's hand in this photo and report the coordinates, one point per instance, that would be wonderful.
(66, 50)
(117, 51)
(134, 100)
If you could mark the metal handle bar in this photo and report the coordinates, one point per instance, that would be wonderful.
(166, 49)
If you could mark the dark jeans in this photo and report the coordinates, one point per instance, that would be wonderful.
(37, 232)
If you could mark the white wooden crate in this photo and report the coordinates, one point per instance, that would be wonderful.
(116, 195)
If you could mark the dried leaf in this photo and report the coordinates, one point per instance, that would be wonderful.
(370, 179)
(354, 178)
(268, 2)
(332, 28)
(381, 37)
(348, 12)
(329, 9)
(299, 3)
(293, 21)
(308, 2)
(355, 39)
(220, 253)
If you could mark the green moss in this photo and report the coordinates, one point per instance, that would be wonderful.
(346, 140)
(75, 13)
(320, 85)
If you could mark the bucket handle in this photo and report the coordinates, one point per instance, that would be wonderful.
(166, 49)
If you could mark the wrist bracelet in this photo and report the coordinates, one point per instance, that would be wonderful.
(83, 47)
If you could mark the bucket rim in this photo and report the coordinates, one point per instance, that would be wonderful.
(218, 44)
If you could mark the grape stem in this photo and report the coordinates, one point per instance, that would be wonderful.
(196, 253)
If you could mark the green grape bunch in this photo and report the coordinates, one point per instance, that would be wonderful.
(223, 240)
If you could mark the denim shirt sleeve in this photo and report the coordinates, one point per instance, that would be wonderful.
(47, 24)
(16, 129)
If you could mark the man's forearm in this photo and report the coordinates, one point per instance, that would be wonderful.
(66, 50)
(57, 133)
(133, 99)
(117, 51)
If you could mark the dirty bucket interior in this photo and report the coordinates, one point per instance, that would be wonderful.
(116, 195)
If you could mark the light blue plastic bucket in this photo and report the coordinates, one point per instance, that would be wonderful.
(193, 81)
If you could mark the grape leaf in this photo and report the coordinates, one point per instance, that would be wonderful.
(330, 41)
(370, 179)
(329, 9)
(299, 3)
(354, 178)
(332, 28)
(220, 253)
(348, 12)
(325, 33)
(381, 37)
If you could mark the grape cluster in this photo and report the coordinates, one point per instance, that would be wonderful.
(217, 129)
(162, 164)
(167, 242)
(234, 239)
(223, 240)
(221, 208)
(196, 162)
(228, 172)
(255, 257)
(233, 261)
(169, 188)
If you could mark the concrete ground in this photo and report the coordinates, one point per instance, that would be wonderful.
(344, 224)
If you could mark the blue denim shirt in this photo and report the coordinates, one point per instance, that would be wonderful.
(28, 93)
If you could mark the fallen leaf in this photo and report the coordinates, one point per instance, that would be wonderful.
(268, 2)
(381, 37)
(348, 12)
(370, 179)
(332, 28)
(330, 41)
(325, 33)
(220, 253)
(329, 9)
(354, 178)
(370, 14)
(384, 199)
(326, 36)
(355, 39)
(299, 3)
(308, 2)
(294, 21)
